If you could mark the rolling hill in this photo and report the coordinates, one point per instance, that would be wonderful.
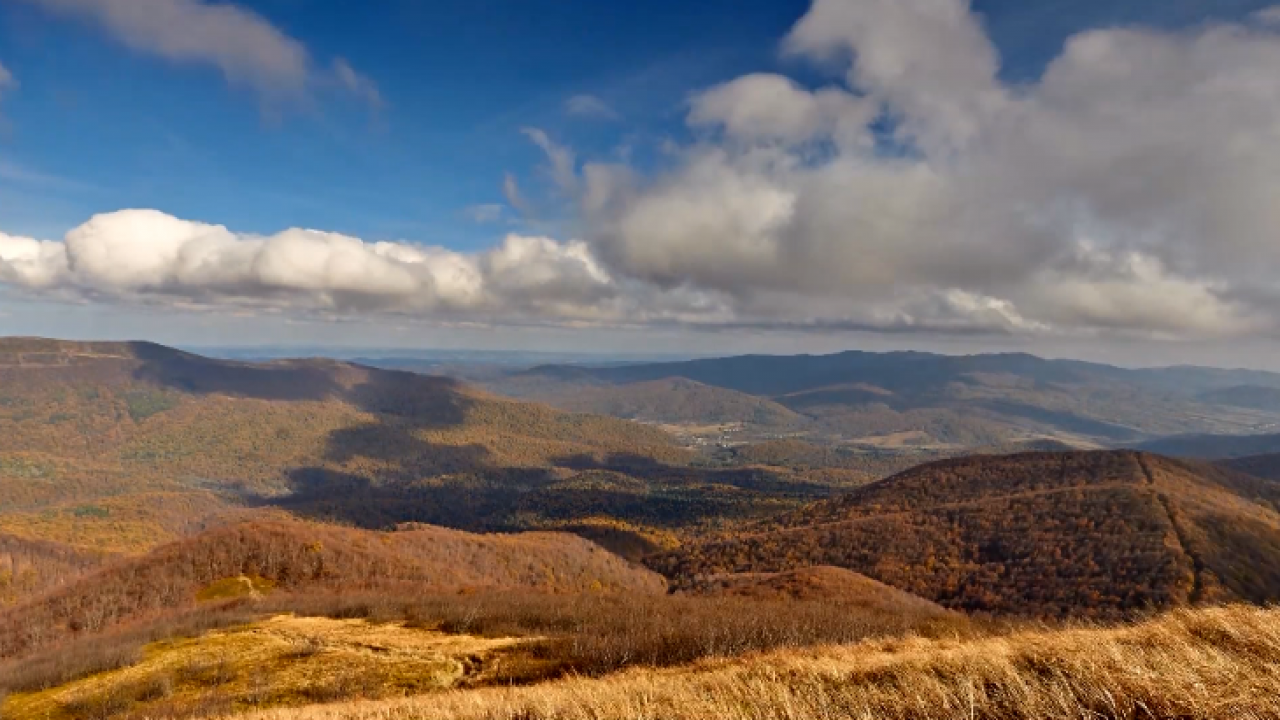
(822, 583)
(1245, 396)
(667, 400)
(120, 446)
(307, 557)
(1046, 534)
(28, 567)
(965, 401)
(1263, 466)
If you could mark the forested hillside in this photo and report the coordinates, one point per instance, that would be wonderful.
(1071, 534)
(118, 447)
(289, 556)
(669, 400)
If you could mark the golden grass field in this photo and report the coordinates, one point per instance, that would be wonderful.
(283, 660)
(1207, 664)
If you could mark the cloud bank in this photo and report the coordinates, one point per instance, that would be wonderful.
(145, 256)
(244, 46)
(1132, 189)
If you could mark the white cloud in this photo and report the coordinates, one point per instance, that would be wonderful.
(929, 60)
(590, 106)
(765, 107)
(484, 214)
(31, 263)
(146, 256)
(515, 198)
(1131, 189)
(244, 46)
(562, 165)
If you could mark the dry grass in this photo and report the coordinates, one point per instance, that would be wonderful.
(585, 635)
(1212, 664)
(284, 660)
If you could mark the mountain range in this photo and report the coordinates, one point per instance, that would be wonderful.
(918, 399)
(158, 507)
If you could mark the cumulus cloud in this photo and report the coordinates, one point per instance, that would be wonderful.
(146, 256)
(1130, 189)
(765, 107)
(244, 46)
(590, 106)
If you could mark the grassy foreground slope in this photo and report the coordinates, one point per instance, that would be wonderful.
(279, 661)
(319, 645)
(1207, 664)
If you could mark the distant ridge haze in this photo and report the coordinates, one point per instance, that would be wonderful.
(966, 400)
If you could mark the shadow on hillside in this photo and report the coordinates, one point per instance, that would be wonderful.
(300, 380)
(387, 471)
(480, 501)
(429, 401)
(392, 474)
(411, 480)
(649, 469)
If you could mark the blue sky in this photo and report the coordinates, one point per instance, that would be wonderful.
(98, 127)
(113, 128)
(95, 123)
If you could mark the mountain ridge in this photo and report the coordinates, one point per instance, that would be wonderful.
(965, 401)
(1047, 534)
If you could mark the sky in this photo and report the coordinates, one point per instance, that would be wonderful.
(1083, 178)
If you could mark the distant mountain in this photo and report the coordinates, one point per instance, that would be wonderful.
(1246, 396)
(669, 400)
(952, 400)
(1214, 447)
(1044, 534)
(1263, 466)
